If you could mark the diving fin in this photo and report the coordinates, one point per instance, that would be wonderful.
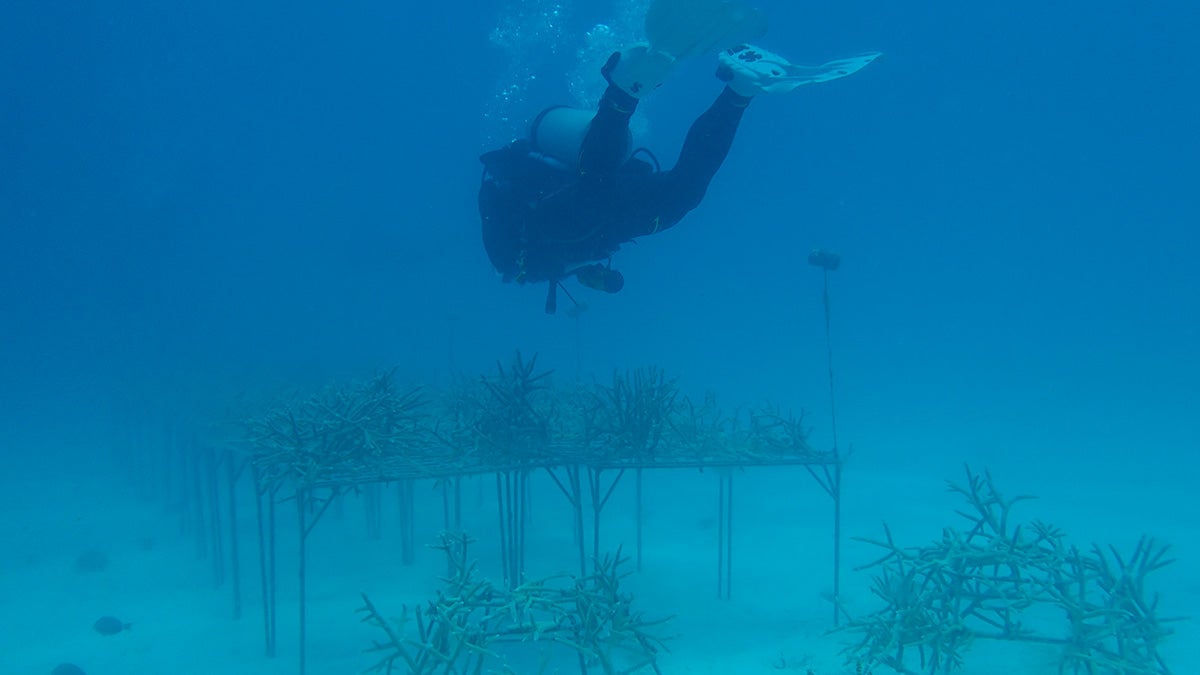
(638, 70)
(751, 70)
(678, 29)
(684, 28)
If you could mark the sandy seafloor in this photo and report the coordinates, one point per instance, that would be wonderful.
(777, 620)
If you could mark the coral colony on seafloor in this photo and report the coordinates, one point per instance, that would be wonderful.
(472, 617)
(993, 580)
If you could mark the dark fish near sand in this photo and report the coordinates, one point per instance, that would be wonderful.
(67, 669)
(110, 625)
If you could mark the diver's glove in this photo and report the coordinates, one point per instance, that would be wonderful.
(750, 70)
(638, 70)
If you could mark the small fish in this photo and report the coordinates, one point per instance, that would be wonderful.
(67, 669)
(110, 625)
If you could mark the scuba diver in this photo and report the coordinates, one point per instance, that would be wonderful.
(557, 204)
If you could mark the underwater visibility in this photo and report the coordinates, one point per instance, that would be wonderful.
(601, 337)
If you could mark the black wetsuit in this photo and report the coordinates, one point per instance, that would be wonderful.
(541, 219)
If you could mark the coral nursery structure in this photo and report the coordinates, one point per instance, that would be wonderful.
(988, 579)
(510, 425)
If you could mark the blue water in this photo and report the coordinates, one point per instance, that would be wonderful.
(200, 199)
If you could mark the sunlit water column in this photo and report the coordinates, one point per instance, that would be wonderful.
(540, 40)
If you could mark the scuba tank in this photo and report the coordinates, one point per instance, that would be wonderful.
(558, 132)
